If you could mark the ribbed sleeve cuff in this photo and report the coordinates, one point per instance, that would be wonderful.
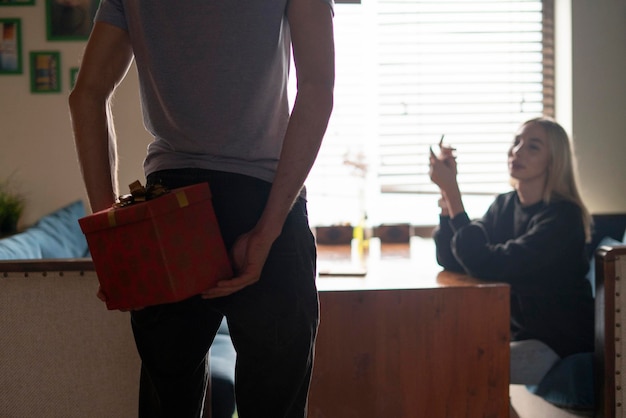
(459, 221)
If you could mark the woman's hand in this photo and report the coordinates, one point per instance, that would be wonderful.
(443, 205)
(443, 168)
(442, 171)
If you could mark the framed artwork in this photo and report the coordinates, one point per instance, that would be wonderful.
(45, 68)
(73, 75)
(10, 46)
(70, 20)
(17, 2)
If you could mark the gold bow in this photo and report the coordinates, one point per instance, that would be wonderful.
(139, 193)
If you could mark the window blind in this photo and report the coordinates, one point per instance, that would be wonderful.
(410, 71)
(469, 70)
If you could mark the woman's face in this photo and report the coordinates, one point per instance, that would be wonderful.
(529, 155)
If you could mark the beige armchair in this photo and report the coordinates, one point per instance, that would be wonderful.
(62, 354)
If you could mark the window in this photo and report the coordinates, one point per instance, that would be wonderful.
(410, 71)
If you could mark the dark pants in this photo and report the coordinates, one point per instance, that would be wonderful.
(272, 323)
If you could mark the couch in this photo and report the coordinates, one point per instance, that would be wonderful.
(62, 353)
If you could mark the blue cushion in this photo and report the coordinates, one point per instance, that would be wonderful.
(64, 238)
(57, 235)
(569, 384)
(591, 274)
(24, 246)
(606, 225)
(223, 354)
(223, 329)
(222, 363)
(223, 358)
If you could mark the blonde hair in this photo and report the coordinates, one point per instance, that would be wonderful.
(561, 179)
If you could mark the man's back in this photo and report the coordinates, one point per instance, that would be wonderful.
(213, 81)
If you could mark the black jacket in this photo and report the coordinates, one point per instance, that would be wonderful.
(540, 251)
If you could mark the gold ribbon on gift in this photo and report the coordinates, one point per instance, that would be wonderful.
(139, 193)
(111, 216)
(182, 199)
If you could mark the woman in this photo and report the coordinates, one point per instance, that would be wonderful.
(532, 238)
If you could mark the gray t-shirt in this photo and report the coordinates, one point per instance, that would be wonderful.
(213, 80)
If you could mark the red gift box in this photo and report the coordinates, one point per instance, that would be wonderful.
(158, 251)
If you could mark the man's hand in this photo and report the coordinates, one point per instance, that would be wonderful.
(103, 297)
(248, 257)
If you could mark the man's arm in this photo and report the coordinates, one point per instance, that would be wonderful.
(106, 61)
(311, 27)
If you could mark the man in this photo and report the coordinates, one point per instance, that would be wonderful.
(213, 79)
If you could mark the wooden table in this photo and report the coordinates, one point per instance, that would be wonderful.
(408, 340)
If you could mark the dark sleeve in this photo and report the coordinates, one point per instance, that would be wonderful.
(522, 258)
(443, 237)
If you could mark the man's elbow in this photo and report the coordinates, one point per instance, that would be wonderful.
(325, 92)
(76, 99)
(328, 98)
(86, 96)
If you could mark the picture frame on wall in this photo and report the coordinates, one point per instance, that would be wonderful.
(10, 46)
(70, 20)
(17, 2)
(45, 71)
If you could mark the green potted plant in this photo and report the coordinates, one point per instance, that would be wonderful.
(11, 208)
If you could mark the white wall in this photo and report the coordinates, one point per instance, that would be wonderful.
(36, 143)
(599, 101)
